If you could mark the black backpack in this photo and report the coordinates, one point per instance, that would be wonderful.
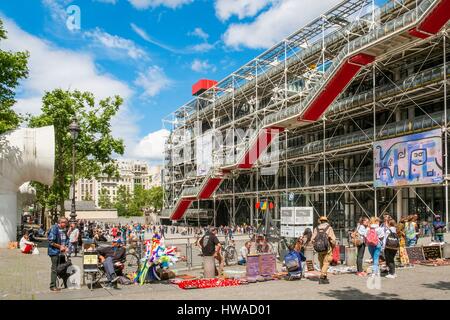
(321, 243)
(392, 241)
(61, 268)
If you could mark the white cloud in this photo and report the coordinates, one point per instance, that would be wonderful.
(202, 47)
(151, 147)
(202, 66)
(198, 32)
(141, 32)
(144, 35)
(269, 27)
(152, 81)
(57, 9)
(53, 67)
(225, 9)
(145, 4)
(107, 40)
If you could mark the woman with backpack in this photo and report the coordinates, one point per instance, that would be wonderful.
(358, 238)
(374, 242)
(391, 246)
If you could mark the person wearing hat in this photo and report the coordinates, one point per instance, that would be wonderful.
(112, 258)
(439, 229)
(324, 240)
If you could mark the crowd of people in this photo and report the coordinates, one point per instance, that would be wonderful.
(382, 238)
(385, 238)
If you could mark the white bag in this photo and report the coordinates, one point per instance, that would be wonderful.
(35, 251)
(74, 280)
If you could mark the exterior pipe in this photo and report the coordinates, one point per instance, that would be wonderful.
(25, 155)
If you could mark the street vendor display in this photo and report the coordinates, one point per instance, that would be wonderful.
(415, 254)
(156, 256)
(432, 252)
(209, 283)
(431, 255)
(258, 265)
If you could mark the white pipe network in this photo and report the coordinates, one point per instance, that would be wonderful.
(25, 155)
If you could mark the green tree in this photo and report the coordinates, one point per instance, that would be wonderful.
(95, 143)
(13, 67)
(104, 200)
(141, 200)
(156, 198)
(123, 201)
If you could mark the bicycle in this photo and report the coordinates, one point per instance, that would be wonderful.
(229, 252)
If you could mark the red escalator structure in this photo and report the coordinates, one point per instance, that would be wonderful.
(262, 142)
(433, 22)
(429, 25)
(343, 76)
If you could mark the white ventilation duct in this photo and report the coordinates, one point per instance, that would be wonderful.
(25, 155)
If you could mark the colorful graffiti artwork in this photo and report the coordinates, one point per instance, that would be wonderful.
(414, 159)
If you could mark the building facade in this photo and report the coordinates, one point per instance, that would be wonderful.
(318, 103)
(131, 174)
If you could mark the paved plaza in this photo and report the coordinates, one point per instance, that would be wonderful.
(27, 277)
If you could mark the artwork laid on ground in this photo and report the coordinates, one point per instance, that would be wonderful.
(414, 159)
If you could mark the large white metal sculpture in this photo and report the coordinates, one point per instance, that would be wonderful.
(25, 155)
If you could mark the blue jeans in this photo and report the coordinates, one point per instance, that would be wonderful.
(375, 253)
(242, 262)
(108, 264)
(439, 237)
(411, 242)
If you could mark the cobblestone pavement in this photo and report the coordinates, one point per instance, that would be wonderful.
(27, 277)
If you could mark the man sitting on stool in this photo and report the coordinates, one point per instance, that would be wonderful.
(112, 256)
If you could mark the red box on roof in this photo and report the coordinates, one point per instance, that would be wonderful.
(202, 85)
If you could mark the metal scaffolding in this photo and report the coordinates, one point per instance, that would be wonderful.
(325, 162)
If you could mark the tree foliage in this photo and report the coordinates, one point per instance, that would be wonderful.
(104, 200)
(123, 201)
(13, 68)
(156, 198)
(134, 204)
(94, 146)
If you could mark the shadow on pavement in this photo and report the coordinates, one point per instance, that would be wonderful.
(349, 293)
(441, 285)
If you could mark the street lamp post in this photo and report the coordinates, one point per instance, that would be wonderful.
(74, 130)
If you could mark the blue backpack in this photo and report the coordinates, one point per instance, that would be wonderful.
(291, 262)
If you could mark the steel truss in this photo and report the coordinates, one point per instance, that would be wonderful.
(335, 179)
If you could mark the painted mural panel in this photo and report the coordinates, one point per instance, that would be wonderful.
(414, 159)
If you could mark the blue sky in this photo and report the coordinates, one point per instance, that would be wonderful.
(148, 51)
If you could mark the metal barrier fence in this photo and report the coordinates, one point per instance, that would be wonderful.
(189, 251)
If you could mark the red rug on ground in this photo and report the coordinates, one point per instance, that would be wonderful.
(208, 283)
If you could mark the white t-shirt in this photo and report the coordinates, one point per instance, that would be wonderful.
(23, 242)
(73, 237)
(243, 253)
